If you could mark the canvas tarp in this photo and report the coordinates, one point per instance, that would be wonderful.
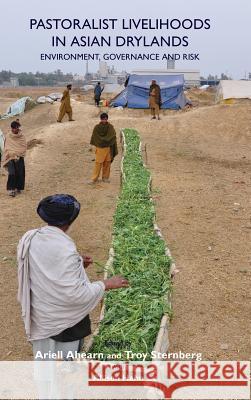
(17, 108)
(136, 94)
(44, 99)
(1, 142)
(49, 98)
(55, 96)
(233, 89)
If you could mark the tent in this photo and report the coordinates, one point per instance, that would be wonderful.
(1, 143)
(136, 94)
(18, 107)
(231, 89)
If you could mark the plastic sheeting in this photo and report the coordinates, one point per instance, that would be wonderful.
(204, 87)
(136, 94)
(50, 98)
(55, 96)
(16, 108)
(44, 99)
(1, 142)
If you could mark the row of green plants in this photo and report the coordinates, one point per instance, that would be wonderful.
(133, 315)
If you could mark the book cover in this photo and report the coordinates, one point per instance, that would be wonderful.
(125, 141)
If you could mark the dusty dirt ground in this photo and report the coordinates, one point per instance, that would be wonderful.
(200, 162)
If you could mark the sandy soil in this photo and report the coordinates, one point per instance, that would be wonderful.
(200, 161)
(61, 164)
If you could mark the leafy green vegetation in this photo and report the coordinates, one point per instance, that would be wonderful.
(133, 315)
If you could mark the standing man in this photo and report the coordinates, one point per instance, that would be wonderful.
(65, 107)
(154, 99)
(55, 293)
(13, 159)
(104, 139)
(97, 93)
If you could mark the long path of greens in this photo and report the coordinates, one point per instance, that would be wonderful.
(133, 315)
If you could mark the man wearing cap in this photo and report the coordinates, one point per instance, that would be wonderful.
(105, 142)
(55, 293)
(65, 107)
(13, 159)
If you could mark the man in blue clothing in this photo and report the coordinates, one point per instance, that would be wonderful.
(97, 93)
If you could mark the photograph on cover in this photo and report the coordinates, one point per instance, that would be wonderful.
(125, 228)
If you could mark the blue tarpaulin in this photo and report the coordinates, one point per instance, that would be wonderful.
(136, 94)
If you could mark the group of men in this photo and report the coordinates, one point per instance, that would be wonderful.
(103, 138)
(154, 100)
(15, 146)
(54, 291)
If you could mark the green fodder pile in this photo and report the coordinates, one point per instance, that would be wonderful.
(133, 315)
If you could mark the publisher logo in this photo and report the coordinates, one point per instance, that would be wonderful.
(174, 379)
(84, 379)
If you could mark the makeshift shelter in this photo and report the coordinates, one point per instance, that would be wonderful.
(1, 143)
(136, 94)
(50, 98)
(19, 107)
(44, 99)
(232, 89)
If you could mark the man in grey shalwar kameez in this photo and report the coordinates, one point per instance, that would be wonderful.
(55, 293)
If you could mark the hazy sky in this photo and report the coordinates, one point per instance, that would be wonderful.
(224, 48)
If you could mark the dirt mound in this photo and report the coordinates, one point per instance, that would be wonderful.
(30, 104)
(200, 98)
